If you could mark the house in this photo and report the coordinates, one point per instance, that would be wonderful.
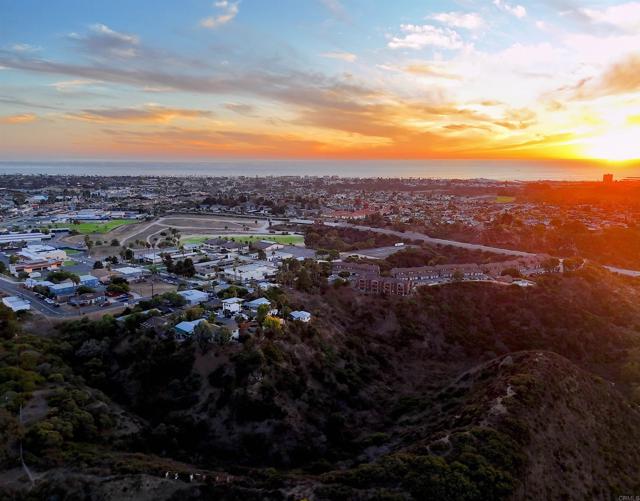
(194, 296)
(231, 305)
(89, 281)
(257, 303)
(30, 283)
(130, 272)
(212, 304)
(265, 286)
(63, 289)
(16, 304)
(87, 299)
(300, 315)
(267, 246)
(223, 245)
(299, 253)
(207, 270)
(231, 324)
(158, 324)
(184, 329)
(256, 271)
(275, 256)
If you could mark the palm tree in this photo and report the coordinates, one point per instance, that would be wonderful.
(154, 271)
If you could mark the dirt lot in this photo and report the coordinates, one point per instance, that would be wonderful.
(187, 225)
(144, 288)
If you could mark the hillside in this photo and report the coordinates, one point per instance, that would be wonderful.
(468, 391)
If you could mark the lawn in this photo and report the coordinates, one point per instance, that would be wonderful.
(501, 199)
(97, 227)
(281, 239)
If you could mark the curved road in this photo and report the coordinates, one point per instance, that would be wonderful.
(465, 245)
(438, 241)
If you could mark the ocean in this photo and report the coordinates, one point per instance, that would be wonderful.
(507, 170)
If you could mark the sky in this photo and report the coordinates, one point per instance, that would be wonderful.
(360, 79)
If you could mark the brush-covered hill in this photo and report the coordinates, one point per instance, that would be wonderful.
(468, 391)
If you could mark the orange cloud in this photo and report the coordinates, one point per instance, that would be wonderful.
(148, 114)
(428, 70)
(18, 118)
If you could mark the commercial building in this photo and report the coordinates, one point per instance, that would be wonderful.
(16, 304)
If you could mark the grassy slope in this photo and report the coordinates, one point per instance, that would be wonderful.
(406, 394)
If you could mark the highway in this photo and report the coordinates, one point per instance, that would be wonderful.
(465, 245)
(412, 235)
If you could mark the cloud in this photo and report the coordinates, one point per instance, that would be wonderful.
(206, 142)
(622, 77)
(518, 11)
(336, 9)
(71, 85)
(625, 17)
(18, 119)
(147, 114)
(343, 56)
(227, 11)
(102, 40)
(24, 47)
(468, 21)
(420, 36)
(240, 108)
(428, 70)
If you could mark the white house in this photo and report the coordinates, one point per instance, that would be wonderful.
(16, 304)
(194, 296)
(257, 303)
(256, 271)
(302, 316)
(130, 272)
(232, 305)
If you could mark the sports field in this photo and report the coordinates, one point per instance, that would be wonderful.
(281, 239)
(97, 227)
(501, 199)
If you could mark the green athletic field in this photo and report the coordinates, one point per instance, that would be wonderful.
(281, 239)
(97, 227)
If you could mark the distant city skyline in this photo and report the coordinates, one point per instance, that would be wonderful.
(350, 79)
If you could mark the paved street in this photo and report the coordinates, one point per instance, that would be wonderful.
(15, 289)
(412, 235)
(465, 245)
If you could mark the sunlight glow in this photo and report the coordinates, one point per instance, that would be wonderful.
(616, 145)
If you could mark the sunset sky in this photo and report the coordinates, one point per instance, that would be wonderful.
(194, 79)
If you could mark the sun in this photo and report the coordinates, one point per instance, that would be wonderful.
(617, 146)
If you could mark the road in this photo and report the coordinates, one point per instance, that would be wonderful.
(465, 245)
(412, 235)
(15, 289)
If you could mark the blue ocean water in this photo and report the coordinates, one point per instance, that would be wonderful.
(440, 169)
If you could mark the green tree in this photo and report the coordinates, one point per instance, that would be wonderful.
(263, 311)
